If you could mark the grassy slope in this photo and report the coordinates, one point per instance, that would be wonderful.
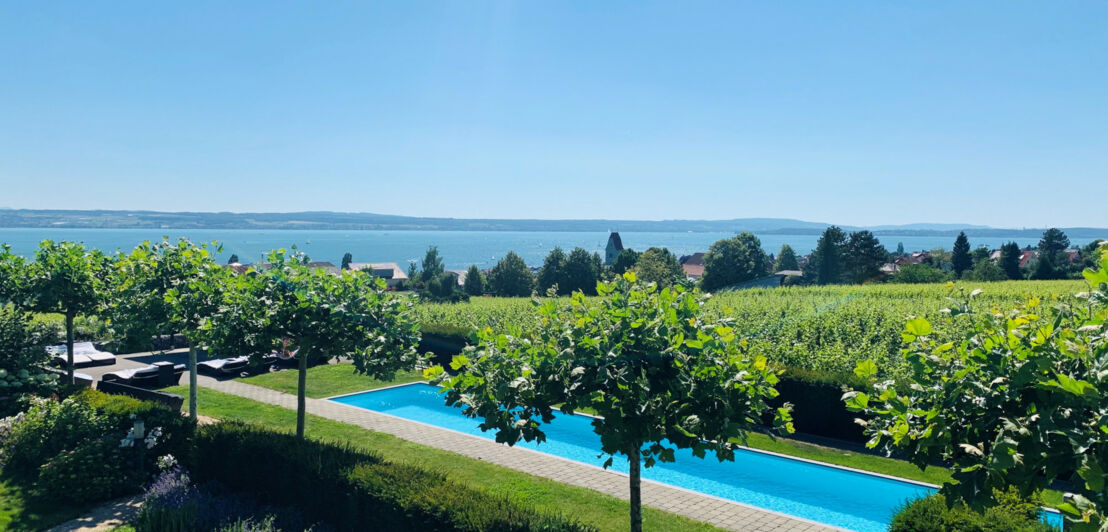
(327, 380)
(603, 511)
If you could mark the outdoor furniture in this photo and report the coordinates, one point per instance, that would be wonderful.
(156, 375)
(223, 366)
(84, 354)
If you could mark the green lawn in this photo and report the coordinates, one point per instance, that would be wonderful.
(23, 510)
(328, 380)
(602, 511)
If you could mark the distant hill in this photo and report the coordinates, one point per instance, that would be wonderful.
(105, 219)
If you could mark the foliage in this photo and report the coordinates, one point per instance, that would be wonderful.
(347, 258)
(1010, 260)
(985, 271)
(582, 271)
(510, 277)
(48, 428)
(11, 275)
(234, 258)
(659, 266)
(733, 260)
(625, 261)
(432, 266)
(660, 373)
(1015, 400)
(827, 263)
(93, 471)
(1052, 262)
(443, 289)
(786, 259)
(120, 411)
(864, 257)
(552, 273)
(475, 281)
(348, 488)
(960, 259)
(919, 273)
(23, 354)
(1013, 513)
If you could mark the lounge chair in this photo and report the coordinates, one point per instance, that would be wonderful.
(223, 366)
(84, 354)
(158, 374)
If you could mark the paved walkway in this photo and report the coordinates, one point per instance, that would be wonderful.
(107, 517)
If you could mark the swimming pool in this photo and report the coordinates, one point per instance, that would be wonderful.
(825, 494)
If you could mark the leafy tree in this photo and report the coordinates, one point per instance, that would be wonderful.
(444, 289)
(23, 354)
(985, 270)
(980, 253)
(625, 261)
(165, 288)
(1010, 260)
(581, 273)
(234, 259)
(67, 279)
(553, 274)
(733, 260)
(1090, 253)
(413, 275)
(661, 373)
(320, 316)
(786, 259)
(12, 275)
(510, 277)
(432, 266)
(1018, 401)
(900, 249)
(1052, 262)
(960, 258)
(475, 281)
(346, 260)
(864, 256)
(919, 273)
(659, 266)
(827, 264)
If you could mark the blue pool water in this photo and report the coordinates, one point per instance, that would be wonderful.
(837, 497)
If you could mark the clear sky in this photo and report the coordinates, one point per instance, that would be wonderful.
(858, 112)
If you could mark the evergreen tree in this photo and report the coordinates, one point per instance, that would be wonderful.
(511, 277)
(786, 259)
(733, 260)
(659, 266)
(626, 260)
(826, 264)
(432, 265)
(1010, 260)
(475, 281)
(900, 248)
(960, 258)
(346, 260)
(413, 275)
(552, 272)
(1053, 262)
(980, 253)
(581, 273)
(234, 259)
(864, 256)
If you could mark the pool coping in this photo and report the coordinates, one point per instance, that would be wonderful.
(751, 449)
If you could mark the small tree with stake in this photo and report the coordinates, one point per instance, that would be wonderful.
(661, 374)
(320, 316)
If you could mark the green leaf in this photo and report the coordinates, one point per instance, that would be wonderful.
(866, 369)
(918, 327)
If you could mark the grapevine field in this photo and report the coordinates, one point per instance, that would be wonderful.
(824, 329)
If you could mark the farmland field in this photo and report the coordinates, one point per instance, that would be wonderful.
(826, 329)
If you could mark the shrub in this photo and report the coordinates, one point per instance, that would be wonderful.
(348, 488)
(120, 411)
(48, 428)
(96, 470)
(931, 514)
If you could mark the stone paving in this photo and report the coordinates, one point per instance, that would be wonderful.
(719, 512)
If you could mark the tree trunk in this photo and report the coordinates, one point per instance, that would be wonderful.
(192, 380)
(636, 496)
(301, 384)
(69, 348)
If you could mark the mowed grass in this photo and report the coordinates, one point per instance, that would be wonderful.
(22, 509)
(327, 380)
(603, 511)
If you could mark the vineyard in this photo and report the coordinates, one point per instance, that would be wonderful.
(822, 329)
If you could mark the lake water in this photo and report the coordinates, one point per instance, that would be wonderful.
(459, 249)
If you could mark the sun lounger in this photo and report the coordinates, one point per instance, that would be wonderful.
(157, 374)
(223, 366)
(84, 354)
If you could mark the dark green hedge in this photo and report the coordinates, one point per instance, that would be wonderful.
(932, 514)
(352, 489)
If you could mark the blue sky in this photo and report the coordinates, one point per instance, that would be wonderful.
(855, 113)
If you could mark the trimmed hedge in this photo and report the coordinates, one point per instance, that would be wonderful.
(352, 489)
(932, 514)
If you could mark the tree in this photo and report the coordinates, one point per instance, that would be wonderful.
(960, 258)
(919, 273)
(67, 279)
(510, 277)
(986, 271)
(234, 259)
(475, 281)
(980, 253)
(786, 259)
(660, 372)
(864, 257)
(165, 288)
(552, 274)
(659, 266)
(443, 289)
(827, 264)
(413, 275)
(432, 265)
(346, 260)
(625, 261)
(12, 275)
(733, 260)
(1052, 262)
(581, 273)
(321, 317)
(23, 355)
(900, 249)
(1010, 260)
(1017, 401)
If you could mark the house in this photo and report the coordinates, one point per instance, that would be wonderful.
(693, 265)
(918, 257)
(326, 266)
(389, 271)
(238, 267)
(459, 275)
(611, 251)
(890, 268)
(1027, 256)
